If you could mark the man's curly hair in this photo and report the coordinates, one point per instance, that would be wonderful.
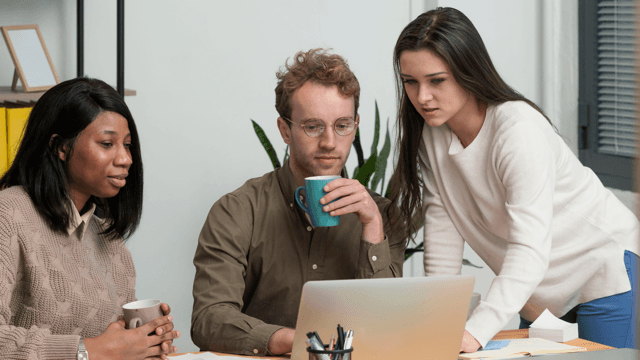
(319, 66)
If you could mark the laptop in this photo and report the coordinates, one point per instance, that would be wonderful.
(396, 318)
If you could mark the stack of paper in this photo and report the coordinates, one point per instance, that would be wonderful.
(549, 327)
(522, 347)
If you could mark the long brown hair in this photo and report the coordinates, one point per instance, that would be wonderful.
(449, 34)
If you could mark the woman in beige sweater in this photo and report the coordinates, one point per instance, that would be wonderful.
(72, 194)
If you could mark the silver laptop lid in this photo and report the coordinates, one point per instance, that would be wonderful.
(396, 318)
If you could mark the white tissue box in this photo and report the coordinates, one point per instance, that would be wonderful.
(567, 333)
(549, 327)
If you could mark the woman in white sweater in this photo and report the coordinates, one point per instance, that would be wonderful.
(495, 174)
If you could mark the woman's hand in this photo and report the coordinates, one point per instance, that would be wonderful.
(469, 343)
(166, 345)
(132, 344)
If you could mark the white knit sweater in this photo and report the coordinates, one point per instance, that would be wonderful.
(544, 223)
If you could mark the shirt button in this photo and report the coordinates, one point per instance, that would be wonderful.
(374, 258)
(309, 228)
(291, 205)
(314, 266)
(255, 351)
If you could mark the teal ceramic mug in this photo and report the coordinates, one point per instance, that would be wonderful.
(313, 187)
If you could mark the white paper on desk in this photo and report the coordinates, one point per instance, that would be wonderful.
(207, 356)
(549, 327)
(204, 356)
(522, 347)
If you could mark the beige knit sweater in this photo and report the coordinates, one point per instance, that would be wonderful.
(56, 287)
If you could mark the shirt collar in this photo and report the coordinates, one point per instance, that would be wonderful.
(78, 220)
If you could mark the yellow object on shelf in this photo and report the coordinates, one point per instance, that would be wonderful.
(16, 123)
(4, 154)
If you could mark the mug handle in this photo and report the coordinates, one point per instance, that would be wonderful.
(297, 196)
(134, 323)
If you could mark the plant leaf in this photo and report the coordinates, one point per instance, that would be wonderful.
(469, 263)
(365, 172)
(376, 134)
(381, 163)
(358, 146)
(286, 154)
(410, 251)
(266, 144)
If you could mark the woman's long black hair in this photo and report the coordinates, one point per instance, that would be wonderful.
(66, 110)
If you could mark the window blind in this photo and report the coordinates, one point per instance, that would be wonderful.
(617, 84)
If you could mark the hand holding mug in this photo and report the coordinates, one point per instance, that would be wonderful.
(166, 345)
(120, 343)
(313, 187)
(346, 196)
(140, 312)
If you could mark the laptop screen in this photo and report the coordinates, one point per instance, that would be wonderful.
(395, 318)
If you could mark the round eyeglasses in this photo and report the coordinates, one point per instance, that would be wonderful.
(315, 127)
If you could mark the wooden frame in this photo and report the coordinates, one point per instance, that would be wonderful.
(33, 64)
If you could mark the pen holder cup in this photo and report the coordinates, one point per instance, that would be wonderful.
(330, 354)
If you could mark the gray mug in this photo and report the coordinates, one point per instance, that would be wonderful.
(140, 312)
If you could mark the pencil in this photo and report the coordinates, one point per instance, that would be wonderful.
(331, 345)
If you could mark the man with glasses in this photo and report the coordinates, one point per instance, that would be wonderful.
(257, 247)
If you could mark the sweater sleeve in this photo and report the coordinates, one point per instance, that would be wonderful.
(17, 342)
(443, 244)
(526, 166)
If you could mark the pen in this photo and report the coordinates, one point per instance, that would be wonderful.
(340, 343)
(347, 344)
(316, 344)
(331, 345)
(318, 337)
(348, 340)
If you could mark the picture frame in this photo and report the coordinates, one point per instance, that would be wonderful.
(33, 65)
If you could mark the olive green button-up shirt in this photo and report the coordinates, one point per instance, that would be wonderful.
(255, 252)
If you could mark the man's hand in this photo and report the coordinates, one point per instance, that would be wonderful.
(281, 342)
(469, 343)
(354, 198)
